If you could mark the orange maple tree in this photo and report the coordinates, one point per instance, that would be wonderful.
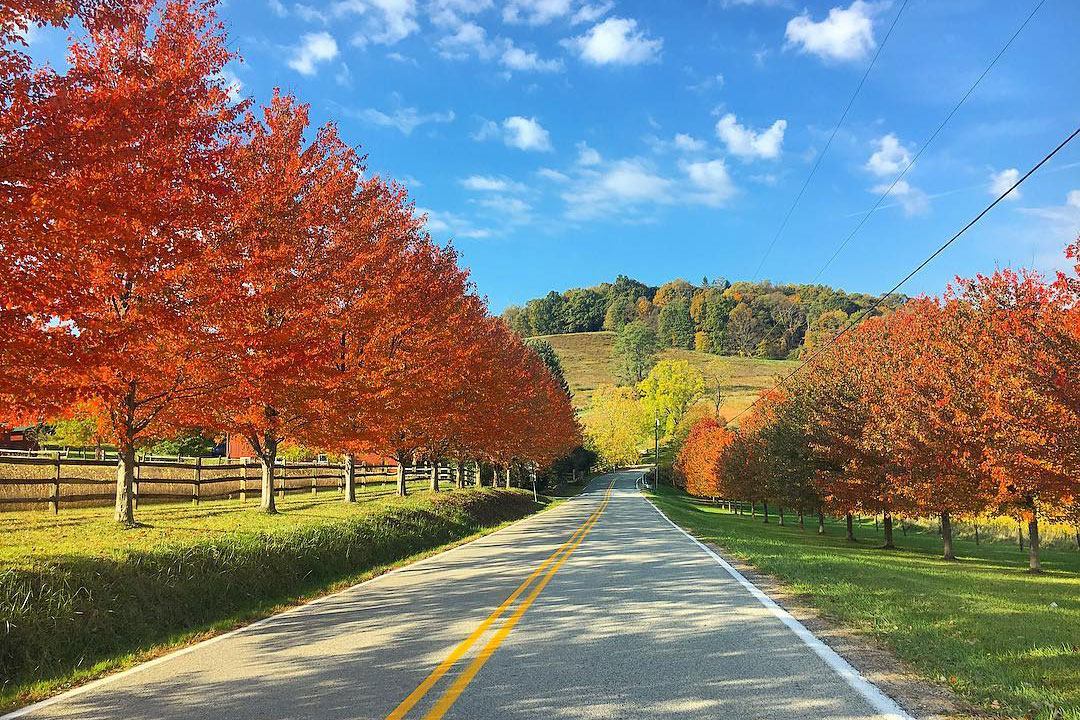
(112, 223)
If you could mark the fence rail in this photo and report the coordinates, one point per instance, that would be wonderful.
(78, 480)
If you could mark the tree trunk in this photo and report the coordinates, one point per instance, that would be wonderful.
(350, 478)
(765, 511)
(1020, 533)
(976, 533)
(946, 536)
(850, 529)
(1033, 545)
(820, 523)
(402, 491)
(125, 478)
(459, 477)
(753, 511)
(435, 476)
(887, 521)
(266, 499)
(802, 522)
(508, 476)
(780, 512)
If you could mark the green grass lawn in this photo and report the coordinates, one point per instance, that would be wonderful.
(1006, 640)
(586, 361)
(36, 535)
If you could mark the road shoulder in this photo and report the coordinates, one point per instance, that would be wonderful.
(874, 662)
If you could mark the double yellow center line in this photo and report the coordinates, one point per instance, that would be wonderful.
(451, 694)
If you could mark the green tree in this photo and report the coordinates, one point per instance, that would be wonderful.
(584, 310)
(630, 288)
(676, 329)
(744, 330)
(635, 352)
(191, 443)
(78, 431)
(615, 426)
(518, 320)
(668, 392)
(619, 312)
(547, 314)
(547, 353)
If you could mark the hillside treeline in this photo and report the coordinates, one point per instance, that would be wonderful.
(754, 319)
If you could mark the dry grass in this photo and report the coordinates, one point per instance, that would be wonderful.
(586, 360)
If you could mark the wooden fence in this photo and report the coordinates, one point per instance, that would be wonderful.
(33, 480)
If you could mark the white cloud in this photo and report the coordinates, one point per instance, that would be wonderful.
(231, 82)
(689, 143)
(587, 155)
(890, 158)
(448, 223)
(384, 22)
(314, 48)
(309, 14)
(1046, 235)
(590, 12)
(712, 182)
(629, 188)
(404, 119)
(278, 8)
(467, 39)
(515, 58)
(616, 41)
(512, 209)
(553, 175)
(706, 84)
(525, 134)
(748, 143)
(535, 12)
(912, 199)
(491, 183)
(403, 59)
(845, 35)
(1002, 181)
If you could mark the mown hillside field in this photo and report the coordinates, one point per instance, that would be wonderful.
(586, 361)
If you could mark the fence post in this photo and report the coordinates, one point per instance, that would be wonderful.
(135, 484)
(435, 476)
(243, 481)
(198, 479)
(284, 478)
(314, 486)
(54, 505)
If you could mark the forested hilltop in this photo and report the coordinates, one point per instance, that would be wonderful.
(756, 319)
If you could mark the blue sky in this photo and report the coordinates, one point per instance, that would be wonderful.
(560, 142)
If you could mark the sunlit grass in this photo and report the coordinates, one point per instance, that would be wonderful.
(586, 361)
(1006, 640)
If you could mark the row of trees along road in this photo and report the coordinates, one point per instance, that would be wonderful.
(966, 405)
(174, 257)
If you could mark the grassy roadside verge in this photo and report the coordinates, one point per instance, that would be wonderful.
(69, 617)
(1007, 641)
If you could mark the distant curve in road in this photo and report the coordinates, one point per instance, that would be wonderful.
(598, 608)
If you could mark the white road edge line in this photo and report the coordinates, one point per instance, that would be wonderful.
(108, 679)
(885, 705)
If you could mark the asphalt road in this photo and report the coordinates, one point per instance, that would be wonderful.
(631, 619)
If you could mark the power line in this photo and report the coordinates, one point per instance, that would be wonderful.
(877, 303)
(817, 162)
(926, 144)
